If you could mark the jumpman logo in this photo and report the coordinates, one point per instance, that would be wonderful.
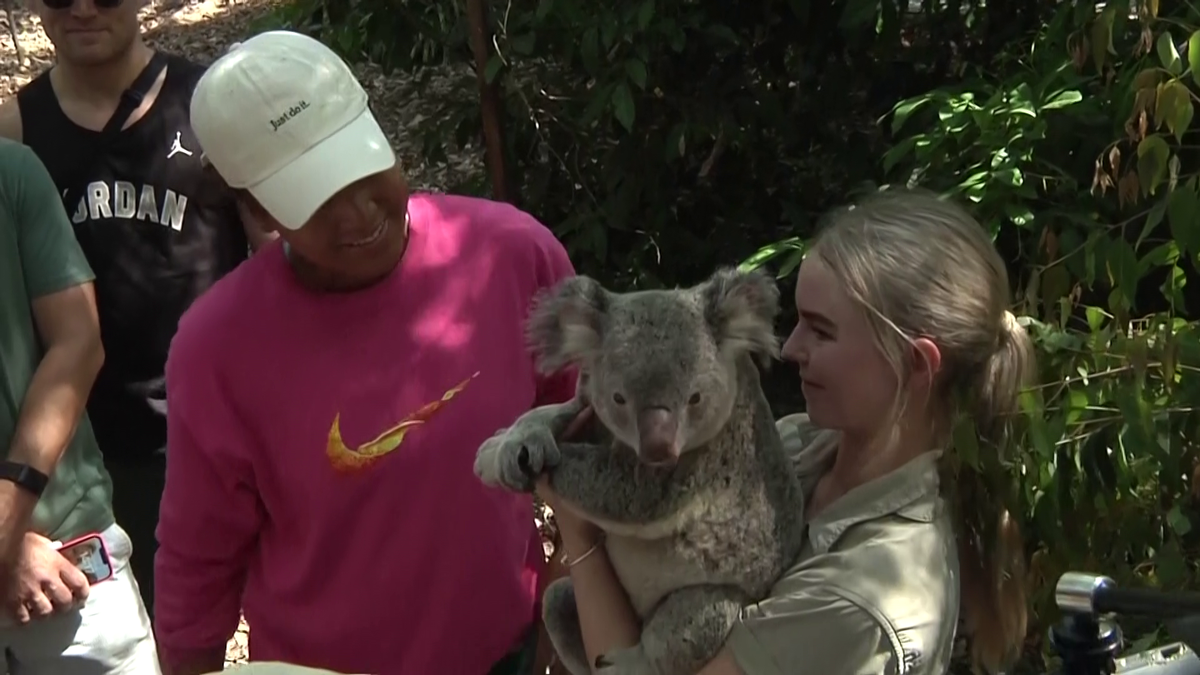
(177, 147)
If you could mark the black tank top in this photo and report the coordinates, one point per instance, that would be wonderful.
(156, 232)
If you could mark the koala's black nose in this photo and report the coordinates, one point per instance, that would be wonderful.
(658, 436)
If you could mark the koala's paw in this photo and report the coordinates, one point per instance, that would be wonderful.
(630, 661)
(515, 457)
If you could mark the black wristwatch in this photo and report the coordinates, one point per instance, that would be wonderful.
(26, 477)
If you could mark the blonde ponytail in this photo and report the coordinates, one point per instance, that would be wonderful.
(991, 549)
(1005, 374)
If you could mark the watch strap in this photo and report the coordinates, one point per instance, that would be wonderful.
(26, 477)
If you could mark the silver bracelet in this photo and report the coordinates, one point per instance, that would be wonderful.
(571, 563)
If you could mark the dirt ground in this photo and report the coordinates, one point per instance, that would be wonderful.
(202, 30)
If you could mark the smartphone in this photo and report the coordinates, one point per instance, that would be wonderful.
(90, 555)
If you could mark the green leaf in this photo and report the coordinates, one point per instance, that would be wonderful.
(1194, 56)
(1093, 247)
(636, 70)
(1166, 253)
(1179, 522)
(645, 14)
(597, 104)
(543, 9)
(1077, 403)
(1170, 566)
(1173, 107)
(1183, 216)
(1153, 154)
(589, 50)
(1056, 283)
(608, 31)
(966, 442)
(771, 252)
(898, 152)
(1168, 55)
(623, 106)
(523, 44)
(1157, 212)
(905, 109)
(1101, 36)
(1035, 414)
(1122, 268)
(1063, 99)
(1147, 79)
(676, 144)
(676, 38)
(723, 32)
(493, 67)
(1172, 289)
(790, 264)
(858, 13)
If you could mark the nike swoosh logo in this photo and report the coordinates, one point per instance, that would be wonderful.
(345, 458)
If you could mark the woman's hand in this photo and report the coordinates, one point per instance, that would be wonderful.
(578, 533)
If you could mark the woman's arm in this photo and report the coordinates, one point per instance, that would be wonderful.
(804, 624)
(724, 664)
(606, 618)
(825, 632)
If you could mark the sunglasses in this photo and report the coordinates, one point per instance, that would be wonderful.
(66, 4)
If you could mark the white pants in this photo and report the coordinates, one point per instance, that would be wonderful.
(109, 635)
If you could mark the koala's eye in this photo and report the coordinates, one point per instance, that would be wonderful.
(618, 398)
(694, 399)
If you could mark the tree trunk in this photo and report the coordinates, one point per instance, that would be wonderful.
(489, 101)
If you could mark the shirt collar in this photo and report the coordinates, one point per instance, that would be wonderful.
(910, 491)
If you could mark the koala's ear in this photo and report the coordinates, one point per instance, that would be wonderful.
(741, 308)
(566, 322)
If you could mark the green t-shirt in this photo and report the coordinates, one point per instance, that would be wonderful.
(39, 256)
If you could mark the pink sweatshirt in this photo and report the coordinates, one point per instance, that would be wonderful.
(320, 455)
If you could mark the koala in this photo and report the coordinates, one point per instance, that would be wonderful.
(683, 468)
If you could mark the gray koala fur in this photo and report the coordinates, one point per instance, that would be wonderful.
(684, 471)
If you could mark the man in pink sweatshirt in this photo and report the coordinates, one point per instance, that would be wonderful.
(327, 398)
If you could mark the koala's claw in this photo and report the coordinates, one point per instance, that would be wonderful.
(630, 661)
(515, 457)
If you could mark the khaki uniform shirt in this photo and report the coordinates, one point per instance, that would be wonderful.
(876, 588)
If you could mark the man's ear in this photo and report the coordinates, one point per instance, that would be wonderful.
(252, 213)
(566, 323)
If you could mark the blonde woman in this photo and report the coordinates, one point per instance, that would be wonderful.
(903, 324)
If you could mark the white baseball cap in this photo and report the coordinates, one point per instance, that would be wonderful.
(282, 116)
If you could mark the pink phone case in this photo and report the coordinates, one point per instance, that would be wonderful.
(90, 555)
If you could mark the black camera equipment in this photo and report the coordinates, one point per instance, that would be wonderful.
(1088, 639)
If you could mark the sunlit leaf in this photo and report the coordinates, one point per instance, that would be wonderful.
(1063, 99)
(1153, 154)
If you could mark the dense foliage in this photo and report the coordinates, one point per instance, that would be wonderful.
(660, 138)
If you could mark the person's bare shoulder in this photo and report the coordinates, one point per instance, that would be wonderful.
(10, 120)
